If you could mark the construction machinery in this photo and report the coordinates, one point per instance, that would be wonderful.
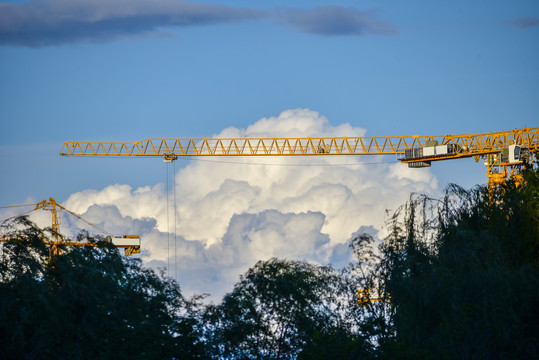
(365, 296)
(504, 153)
(130, 243)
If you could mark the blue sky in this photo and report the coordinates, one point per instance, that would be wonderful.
(74, 70)
(432, 68)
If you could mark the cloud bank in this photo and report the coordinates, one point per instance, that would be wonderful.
(57, 22)
(231, 213)
(50, 22)
(524, 22)
(335, 21)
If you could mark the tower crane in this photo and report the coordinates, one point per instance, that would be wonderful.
(504, 153)
(130, 243)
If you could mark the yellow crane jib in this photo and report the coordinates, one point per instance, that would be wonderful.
(504, 152)
(455, 146)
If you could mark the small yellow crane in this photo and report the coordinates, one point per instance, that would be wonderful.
(365, 296)
(130, 243)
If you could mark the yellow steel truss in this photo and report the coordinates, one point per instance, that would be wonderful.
(365, 296)
(488, 145)
(471, 145)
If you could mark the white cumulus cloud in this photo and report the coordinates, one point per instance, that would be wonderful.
(232, 212)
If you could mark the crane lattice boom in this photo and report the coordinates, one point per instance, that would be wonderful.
(504, 152)
(470, 145)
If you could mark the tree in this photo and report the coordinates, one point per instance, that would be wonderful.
(374, 319)
(279, 309)
(463, 275)
(88, 303)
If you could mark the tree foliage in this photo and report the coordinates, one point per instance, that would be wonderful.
(456, 277)
(279, 309)
(88, 303)
(462, 273)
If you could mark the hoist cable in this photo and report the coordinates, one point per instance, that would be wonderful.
(286, 165)
(12, 206)
(168, 228)
(175, 246)
(15, 216)
(86, 221)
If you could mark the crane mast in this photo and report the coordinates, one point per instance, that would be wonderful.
(504, 153)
